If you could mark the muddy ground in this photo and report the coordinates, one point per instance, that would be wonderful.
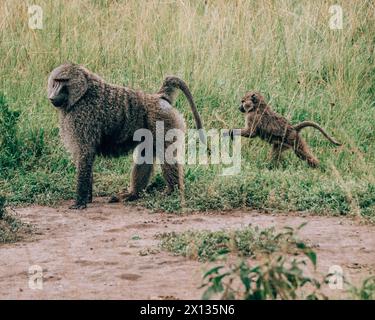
(109, 251)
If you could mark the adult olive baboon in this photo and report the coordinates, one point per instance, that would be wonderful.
(268, 125)
(100, 118)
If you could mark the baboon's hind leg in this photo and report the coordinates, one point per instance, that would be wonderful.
(276, 152)
(140, 176)
(174, 176)
(172, 168)
(303, 152)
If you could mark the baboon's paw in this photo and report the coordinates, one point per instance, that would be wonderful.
(313, 164)
(114, 199)
(155, 186)
(130, 197)
(78, 206)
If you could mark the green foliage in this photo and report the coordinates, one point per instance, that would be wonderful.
(278, 276)
(366, 200)
(11, 228)
(18, 150)
(2, 205)
(366, 291)
(247, 242)
(272, 265)
(9, 143)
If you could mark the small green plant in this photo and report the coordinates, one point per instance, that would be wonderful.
(247, 242)
(9, 143)
(366, 291)
(2, 209)
(11, 228)
(278, 276)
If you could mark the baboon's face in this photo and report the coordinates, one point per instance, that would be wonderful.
(66, 84)
(60, 94)
(251, 101)
(58, 90)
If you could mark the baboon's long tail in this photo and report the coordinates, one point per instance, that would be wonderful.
(168, 91)
(305, 124)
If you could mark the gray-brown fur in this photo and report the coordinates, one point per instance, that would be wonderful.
(100, 118)
(262, 122)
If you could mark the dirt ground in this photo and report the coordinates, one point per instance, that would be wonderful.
(109, 251)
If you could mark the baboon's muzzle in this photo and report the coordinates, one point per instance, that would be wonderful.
(57, 101)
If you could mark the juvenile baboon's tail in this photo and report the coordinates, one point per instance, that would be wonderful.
(305, 124)
(168, 91)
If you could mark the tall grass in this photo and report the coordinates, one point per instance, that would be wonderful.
(284, 49)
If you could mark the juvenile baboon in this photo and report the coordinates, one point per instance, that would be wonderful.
(100, 118)
(268, 125)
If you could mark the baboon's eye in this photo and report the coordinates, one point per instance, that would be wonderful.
(61, 80)
(254, 98)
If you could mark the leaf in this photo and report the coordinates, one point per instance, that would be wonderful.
(312, 256)
(244, 275)
(312, 296)
(301, 245)
(208, 293)
(302, 225)
(223, 251)
(217, 281)
(211, 271)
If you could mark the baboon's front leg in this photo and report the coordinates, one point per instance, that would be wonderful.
(84, 180)
(276, 152)
(303, 152)
(89, 194)
(244, 132)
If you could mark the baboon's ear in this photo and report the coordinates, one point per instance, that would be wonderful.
(77, 86)
(254, 98)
